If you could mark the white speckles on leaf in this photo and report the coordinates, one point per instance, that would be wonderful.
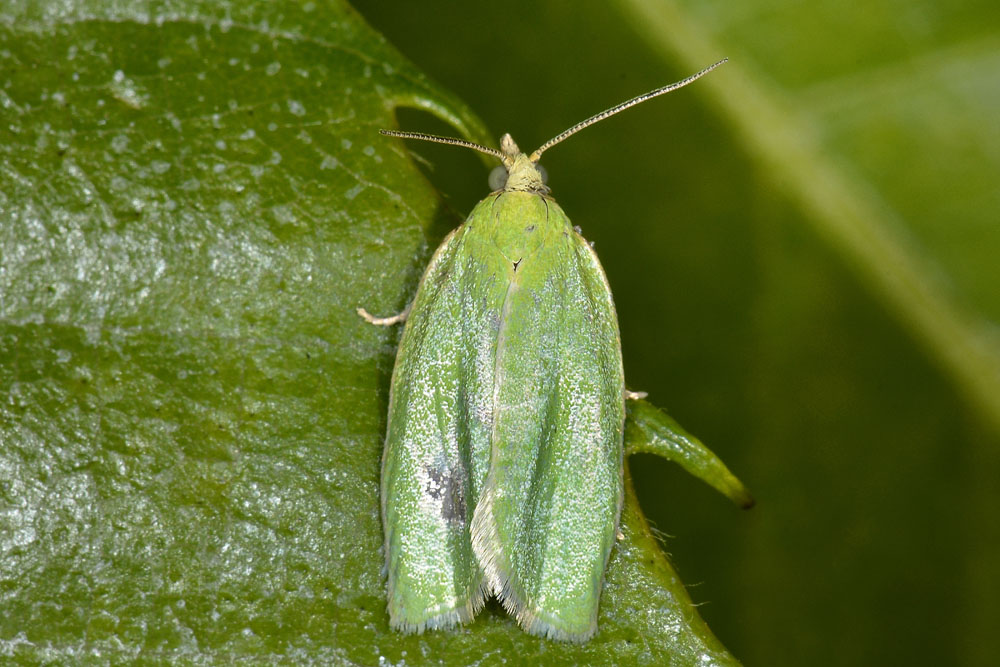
(174, 121)
(284, 214)
(127, 91)
(295, 108)
(6, 102)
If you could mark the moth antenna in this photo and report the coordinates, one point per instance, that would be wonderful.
(621, 107)
(443, 140)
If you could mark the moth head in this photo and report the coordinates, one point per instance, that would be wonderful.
(518, 172)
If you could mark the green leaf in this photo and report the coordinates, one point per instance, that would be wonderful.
(652, 431)
(194, 200)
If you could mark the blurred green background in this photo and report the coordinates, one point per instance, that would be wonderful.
(803, 248)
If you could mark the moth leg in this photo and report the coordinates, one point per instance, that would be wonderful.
(385, 321)
(635, 395)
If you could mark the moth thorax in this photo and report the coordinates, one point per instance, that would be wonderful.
(524, 176)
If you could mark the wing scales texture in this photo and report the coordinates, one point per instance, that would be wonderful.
(503, 462)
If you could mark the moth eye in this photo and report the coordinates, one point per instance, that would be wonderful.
(541, 172)
(498, 177)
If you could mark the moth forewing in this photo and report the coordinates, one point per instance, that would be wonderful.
(429, 489)
(545, 522)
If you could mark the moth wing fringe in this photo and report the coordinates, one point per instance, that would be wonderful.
(498, 581)
(486, 545)
(532, 623)
(490, 553)
(445, 620)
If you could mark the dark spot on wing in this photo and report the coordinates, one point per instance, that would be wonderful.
(448, 487)
(443, 274)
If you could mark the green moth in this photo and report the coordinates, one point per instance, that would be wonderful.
(502, 469)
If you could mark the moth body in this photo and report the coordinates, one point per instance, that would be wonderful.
(502, 467)
(502, 472)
